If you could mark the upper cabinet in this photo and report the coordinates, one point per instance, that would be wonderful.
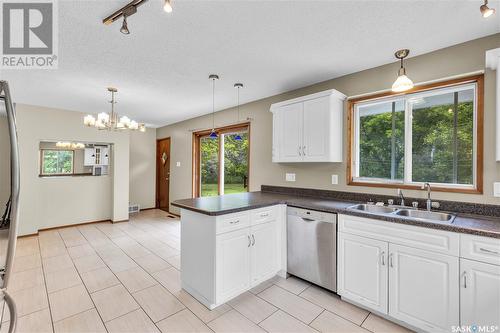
(309, 128)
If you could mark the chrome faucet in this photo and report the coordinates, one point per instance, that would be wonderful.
(429, 201)
(401, 196)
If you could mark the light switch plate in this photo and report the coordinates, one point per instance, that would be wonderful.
(178, 164)
(496, 189)
(335, 179)
(290, 177)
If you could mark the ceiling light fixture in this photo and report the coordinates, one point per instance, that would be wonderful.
(213, 77)
(124, 29)
(238, 86)
(485, 10)
(167, 6)
(403, 82)
(111, 121)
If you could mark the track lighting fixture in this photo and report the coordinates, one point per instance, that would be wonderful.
(403, 82)
(485, 10)
(124, 29)
(167, 6)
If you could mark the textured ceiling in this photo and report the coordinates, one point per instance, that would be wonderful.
(161, 68)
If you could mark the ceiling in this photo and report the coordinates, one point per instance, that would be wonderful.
(161, 69)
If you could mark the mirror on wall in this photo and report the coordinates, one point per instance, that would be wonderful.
(74, 158)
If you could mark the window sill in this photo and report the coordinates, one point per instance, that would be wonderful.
(435, 188)
(68, 175)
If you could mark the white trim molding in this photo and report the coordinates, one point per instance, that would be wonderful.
(493, 63)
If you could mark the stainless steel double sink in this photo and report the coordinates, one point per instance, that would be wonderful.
(405, 212)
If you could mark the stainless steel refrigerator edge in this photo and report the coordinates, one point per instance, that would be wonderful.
(10, 230)
(312, 246)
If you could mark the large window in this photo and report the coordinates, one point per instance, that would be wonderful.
(56, 162)
(431, 135)
(221, 163)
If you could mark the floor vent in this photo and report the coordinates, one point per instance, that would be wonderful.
(134, 208)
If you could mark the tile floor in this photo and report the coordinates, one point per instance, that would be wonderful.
(125, 278)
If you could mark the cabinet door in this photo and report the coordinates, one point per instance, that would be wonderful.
(479, 293)
(264, 251)
(89, 157)
(232, 264)
(105, 156)
(290, 133)
(316, 142)
(423, 288)
(362, 271)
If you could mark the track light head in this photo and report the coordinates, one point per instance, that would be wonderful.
(485, 10)
(124, 29)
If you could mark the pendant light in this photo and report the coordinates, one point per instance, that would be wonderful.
(167, 6)
(403, 82)
(485, 10)
(124, 29)
(213, 77)
(238, 86)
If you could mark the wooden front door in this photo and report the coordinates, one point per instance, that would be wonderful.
(162, 173)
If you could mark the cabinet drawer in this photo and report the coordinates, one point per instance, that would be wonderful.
(263, 215)
(479, 248)
(232, 222)
(418, 237)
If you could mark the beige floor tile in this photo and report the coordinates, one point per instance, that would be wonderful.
(152, 263)
(264, 285)
(377, 324)
(292, 284)
(281, 322)
(135, 279)
(135, 250)
(170, 278)
(75, 241)
(99, 279)
(232, 321)
(88, 263)
(85, 322)
(68, 302)
(81, 251)
(27, 262)
(114, 302)
(121, 264)
(175, 261)
(36, 322)
(28, 301)
(333, 303)
(165, 251)
(183, 322)
(252, 307)
(57, 263)
(157, 302)
(199, 309)
(62, 279)
(133, 322)
(26, 279)
(27, 248)
(329, 322)
(291, 303)
(52, 250)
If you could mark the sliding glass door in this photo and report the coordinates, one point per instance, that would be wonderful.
(221, 163)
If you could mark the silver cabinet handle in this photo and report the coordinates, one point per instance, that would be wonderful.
(488, 251)
(465, 279)
(253, 240)
(382, 257)
(390, 260)
(234, 222)
(300, 153)
(249, 241)
(304, 150)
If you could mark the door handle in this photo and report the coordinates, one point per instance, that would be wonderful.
(382, 257)
(307, 219)
(249, 241)
(253, 240)
(166, 178)
(390, 260)
(465, 279)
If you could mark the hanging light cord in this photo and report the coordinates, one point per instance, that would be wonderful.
(238, 104)
(213, 104)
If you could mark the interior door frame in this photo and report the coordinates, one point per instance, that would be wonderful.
(157, 189)
(195, 193)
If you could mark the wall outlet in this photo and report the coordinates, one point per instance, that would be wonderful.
(178, 164)
(496, 189)
(290, 177)
(335, 179)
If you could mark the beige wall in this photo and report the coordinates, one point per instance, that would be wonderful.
(55, 201)
(459, 59)
(143, 168)
(4, 163)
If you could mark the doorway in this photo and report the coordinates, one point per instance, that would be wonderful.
(221, 164)
(163, 174)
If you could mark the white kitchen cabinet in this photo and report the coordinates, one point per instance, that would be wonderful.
(309, 128)
(89, 157)
(362, 271)
(479, 293)
(264, 251)
(423, 289)
(98, 155)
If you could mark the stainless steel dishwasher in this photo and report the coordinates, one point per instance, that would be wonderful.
(312, 246)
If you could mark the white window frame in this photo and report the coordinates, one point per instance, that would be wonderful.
(42, 173)
(407, 179)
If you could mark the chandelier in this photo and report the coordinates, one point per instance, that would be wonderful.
(70, 145)
(111, 121)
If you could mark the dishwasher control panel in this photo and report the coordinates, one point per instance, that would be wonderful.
(312, 214)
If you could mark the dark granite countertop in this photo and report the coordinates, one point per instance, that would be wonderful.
(231, 203)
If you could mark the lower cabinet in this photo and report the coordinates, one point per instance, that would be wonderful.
(244, 258)
(479, 293)
(423, 289)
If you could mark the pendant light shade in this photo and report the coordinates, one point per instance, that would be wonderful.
(403, 82)
(124, 29)
(485, 10)
(213, 133)
(238, 86)
(167, 6)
